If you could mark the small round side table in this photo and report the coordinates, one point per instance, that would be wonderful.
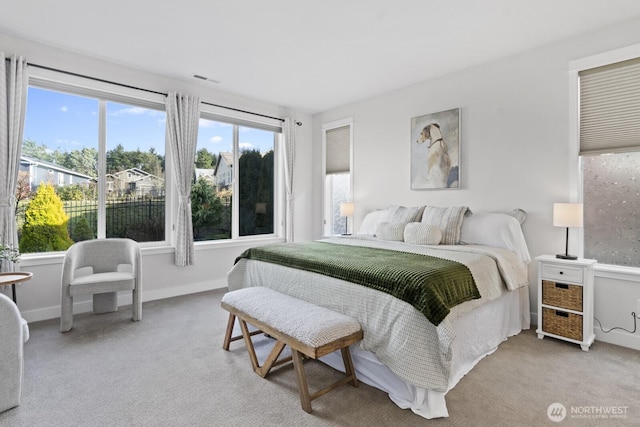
(12, 278)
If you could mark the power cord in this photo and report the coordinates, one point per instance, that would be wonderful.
(635, 318)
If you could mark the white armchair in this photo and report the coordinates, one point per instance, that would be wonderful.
(101, 268)
(14, 332)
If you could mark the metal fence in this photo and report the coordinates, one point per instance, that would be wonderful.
(141, 219)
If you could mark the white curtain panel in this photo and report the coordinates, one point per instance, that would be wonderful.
(183, 115)
(289, 152)
(13, 101)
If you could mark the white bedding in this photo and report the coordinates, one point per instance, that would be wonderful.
(395, 332)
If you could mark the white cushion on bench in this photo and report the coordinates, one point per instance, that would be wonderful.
(308, 323)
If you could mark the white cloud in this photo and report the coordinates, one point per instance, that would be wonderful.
(215, 139)
(66, 143)
(245, 146)
(205, 123)
(64, 109)
(135, 111)
(129, 111)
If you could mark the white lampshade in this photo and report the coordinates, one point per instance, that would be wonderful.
(567, 215)
(346, 209)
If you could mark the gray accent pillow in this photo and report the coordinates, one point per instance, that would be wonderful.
(404, 214)
(418, 233)
(391, 231)
(448, 220)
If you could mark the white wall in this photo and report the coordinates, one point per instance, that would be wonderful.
(40, 297)
(514, 147)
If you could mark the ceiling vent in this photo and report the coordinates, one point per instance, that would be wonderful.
(205, 78)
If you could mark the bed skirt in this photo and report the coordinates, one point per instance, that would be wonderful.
(508, 315)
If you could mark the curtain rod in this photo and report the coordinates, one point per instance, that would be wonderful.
(44, 67)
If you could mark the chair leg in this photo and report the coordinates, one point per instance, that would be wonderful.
(106, 302)
(136, 304)
(66, 311)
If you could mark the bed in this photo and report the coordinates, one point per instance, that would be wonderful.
(415, 360)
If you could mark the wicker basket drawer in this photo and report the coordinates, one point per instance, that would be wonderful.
(562, 323)
(562, 295)
(562, 272)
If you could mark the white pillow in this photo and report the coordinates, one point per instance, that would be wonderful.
(518, 214)
(418, 233)
(448, 220)
(371, 221)
(391, 231)
(495, 229)
(404, 214)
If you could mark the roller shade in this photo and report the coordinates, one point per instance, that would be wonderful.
(338, 145)
(610, 108)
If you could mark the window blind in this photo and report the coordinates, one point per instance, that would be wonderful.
(338, 146)
(610, 108)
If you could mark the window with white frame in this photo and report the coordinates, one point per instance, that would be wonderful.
(338, 189)
(91, 139)
(609, 136)
(107, 147)
(234, 158)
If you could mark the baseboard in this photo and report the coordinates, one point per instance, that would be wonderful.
(534, 319)
(621, 338)
(125, 299)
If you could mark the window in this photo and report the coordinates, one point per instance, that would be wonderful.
(109, 161)
(98, 152)
(234, 158)
(609, 114)
(337, 149)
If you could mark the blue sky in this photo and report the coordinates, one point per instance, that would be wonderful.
(70, 122)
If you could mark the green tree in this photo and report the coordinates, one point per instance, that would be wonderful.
(84, 161)
(265, 194)
(206, 208)
(31, 149)
(249, 174)
(45, 223)
(82, 230)
(118, 160)
(74, 192)
(205, 159)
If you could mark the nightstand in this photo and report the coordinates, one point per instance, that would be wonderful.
(565, 299)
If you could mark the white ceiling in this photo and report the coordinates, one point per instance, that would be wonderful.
(310, 55)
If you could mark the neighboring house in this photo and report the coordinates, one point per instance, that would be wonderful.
(135, 181)
(40, 171)
(208, 174)
(224, 170)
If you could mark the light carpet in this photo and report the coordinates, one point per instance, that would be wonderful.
(170, 370)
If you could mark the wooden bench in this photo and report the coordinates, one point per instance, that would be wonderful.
(306, 328)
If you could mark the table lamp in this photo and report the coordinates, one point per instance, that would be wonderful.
(346, 210)
(567, 215)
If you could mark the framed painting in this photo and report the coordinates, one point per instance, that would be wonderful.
(435, 151)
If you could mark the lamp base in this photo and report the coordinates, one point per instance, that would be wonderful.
(566, 256)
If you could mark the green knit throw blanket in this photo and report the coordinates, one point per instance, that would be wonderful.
(432, 285)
